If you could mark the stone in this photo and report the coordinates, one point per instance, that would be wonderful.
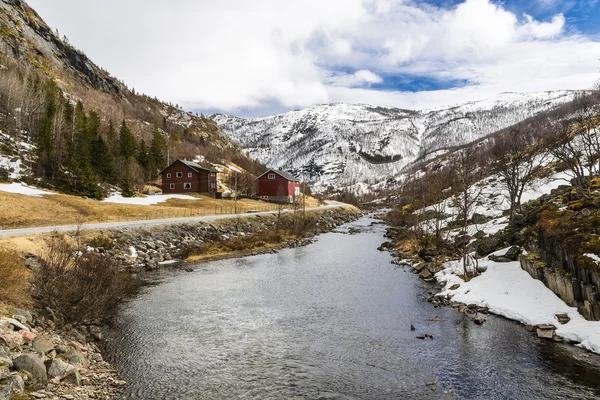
(455, 286)
(426, 274)
(479, 219)
(563, 318)
(486, 245)
(18, 384)
(513, 253)
(545, 333)
(33, 364)
(73, 357)
(58, 368)
(43, 344)
(18, 326)
(478, 320)
(6, 390)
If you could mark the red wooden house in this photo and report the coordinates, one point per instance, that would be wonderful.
(277, 186)
(188, 177)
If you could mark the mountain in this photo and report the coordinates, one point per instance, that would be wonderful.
(32, 55)
(356, 145)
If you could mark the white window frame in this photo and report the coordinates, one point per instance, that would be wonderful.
(187, 186)
(180, 174)
(169, 175)
(190, 175)
(213, 174)
(271, 176)
(172, 186)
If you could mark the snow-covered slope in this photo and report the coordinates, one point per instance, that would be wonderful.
(346, 144)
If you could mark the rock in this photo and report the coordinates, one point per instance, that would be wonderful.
(426, 275)
(58, 368)
(18, 384)
(530, 328)
(563, 318)
(455, 286)
(513, 253)
(6, 389)
(33, 364)
(72, 356)
(43, 344)
(412, 327)
(18, 326)
(479, 219)
(478, 320)
(4, 358)
(486, 245)
(545, 333)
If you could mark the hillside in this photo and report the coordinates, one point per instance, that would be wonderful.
(41, 73)
(346, 144)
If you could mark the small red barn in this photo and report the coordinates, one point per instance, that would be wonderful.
(277, 186)
(188, 177)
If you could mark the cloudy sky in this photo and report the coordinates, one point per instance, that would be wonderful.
(266, 56)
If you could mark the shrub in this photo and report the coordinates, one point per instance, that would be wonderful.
(101, 241)
(14, 279)
(79, 287)
(4, 176)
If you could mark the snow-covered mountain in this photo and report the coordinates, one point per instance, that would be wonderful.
(344, 145)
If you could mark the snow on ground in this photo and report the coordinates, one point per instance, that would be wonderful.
(146, 201)
(507, 290)
(11, 164)
(20, 188)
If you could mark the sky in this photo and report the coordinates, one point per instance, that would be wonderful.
(261, 57)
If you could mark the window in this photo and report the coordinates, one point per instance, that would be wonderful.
(271, 176)
(213, 174)
(190, 174)
(172, 185)
(169, 175)
(212, 186)
(180, 174)
(187, 186)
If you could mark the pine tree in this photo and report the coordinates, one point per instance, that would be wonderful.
(112, 139)
(157, 152)
(126, 188)
(143, 158)
(103, 161)
(126, 142)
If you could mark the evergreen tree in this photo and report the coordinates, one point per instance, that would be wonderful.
(126, 142)
(112, 139)
(103, 161)
(126, 187)
(157, 152)
(143, 158)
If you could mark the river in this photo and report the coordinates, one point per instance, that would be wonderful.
(328, 321)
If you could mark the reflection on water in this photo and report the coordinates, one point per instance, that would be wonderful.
(328, 321)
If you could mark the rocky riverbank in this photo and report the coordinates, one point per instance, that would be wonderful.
(39, 360)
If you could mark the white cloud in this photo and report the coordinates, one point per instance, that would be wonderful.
(238, 54)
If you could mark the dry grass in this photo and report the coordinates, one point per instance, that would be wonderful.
(18, 211)
(14, 280)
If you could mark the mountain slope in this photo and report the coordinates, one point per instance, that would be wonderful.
(345, 144)
(31, 53)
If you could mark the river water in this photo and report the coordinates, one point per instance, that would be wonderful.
(328, 321)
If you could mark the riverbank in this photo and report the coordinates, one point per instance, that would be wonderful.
(67, 362)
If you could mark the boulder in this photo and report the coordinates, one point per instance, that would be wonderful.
(478, 320)
(479, 219)
(72, 356)
(58, 368)
(33, 364)
(18, 384)
(17, 326)
(545, 333)
(486, 245)
(513, 253)
(5, 359)
(43, 344)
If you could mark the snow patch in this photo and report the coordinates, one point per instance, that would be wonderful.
(20, 188)
(146, 201)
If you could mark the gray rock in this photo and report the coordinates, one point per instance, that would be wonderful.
(18, 384)
(486, 245)
(513, 253)
(73, 357)
(545, 333)
(33, 364)
(18, 326)
(6, 390)
(43, 344)
(58, 368)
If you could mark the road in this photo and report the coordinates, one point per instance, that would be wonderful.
(148, 223)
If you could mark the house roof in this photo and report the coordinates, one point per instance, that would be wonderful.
(196, 167)
(284, 174)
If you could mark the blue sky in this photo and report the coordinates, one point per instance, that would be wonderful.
(268, 56)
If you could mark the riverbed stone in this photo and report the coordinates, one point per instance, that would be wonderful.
(5, 389)
(72, 356)
(18, 384)
(545, 333)
(34, 365)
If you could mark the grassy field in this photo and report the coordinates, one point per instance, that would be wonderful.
(19, 211)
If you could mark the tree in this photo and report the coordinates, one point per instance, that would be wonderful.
(126, 142)
(103, 161)
(157, 151)
(518, 163)
(143, 158)
(126, 187)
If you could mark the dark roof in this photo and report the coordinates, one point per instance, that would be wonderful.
(192, 165)
(286, 175)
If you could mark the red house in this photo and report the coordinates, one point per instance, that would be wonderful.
(188, 177)
(277, 186)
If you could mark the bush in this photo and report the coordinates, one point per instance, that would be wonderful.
(101, 241)
(79, 287)
(4, 176)
(14, 279)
